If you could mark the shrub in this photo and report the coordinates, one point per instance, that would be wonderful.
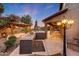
(26, 29)
(10, 42)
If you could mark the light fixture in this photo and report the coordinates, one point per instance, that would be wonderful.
(64, 21)
(70, 22)
(58, 23)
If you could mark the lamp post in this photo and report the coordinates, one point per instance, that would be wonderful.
(64, 23)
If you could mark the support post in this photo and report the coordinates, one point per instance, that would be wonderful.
(64, 42)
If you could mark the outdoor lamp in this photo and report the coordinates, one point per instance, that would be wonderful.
(58, 23)
(65, 23)
(70, 22)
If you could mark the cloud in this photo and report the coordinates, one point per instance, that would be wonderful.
(30, 10)
(27, 8)
(49, 6)
(35, 12)
(40, 23)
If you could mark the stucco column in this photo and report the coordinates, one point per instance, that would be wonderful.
(46, 30)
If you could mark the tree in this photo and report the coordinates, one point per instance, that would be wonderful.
(36, 25)
(13, 18)
(26, 19)
(1, 8)
(3, 22)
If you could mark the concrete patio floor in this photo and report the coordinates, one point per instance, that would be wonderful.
(51, 47)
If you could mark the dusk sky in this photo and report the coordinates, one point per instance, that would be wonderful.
(36, 11)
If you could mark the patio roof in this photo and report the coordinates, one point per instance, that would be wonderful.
(54, 15)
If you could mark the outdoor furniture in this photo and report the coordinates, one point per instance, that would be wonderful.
(25, 46)
(37, 46)
(40, 35)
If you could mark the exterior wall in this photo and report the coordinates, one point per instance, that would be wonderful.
(73, 13)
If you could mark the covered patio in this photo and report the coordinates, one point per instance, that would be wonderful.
(54, 31)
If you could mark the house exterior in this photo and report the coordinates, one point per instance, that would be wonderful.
(67, 11)
(72, 13)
